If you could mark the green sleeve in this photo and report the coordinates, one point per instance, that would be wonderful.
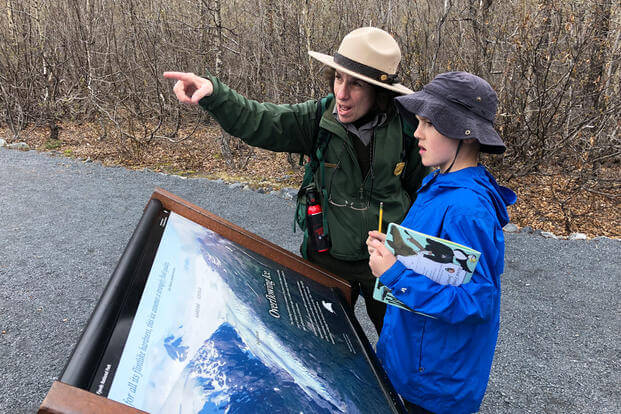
(281, 128)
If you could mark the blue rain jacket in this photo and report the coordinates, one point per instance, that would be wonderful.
(442, 362)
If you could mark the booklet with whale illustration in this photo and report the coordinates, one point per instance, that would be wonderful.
(442, 261)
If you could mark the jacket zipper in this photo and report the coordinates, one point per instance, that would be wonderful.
(420, 355)
(370, 174)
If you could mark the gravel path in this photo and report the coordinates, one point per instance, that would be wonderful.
(64, 224)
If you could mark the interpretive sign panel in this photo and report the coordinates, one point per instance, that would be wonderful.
(214, 326)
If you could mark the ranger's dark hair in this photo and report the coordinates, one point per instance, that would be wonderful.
(383, 97)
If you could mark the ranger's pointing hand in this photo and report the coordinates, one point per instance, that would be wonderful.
(190, 88)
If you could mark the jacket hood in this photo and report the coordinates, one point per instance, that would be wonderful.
(478, 180)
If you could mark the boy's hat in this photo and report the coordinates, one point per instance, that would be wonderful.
(370, 54)
(460, 105)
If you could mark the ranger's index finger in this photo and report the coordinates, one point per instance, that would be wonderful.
(182, 76)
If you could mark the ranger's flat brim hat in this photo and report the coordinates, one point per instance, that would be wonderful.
(460, 105)
(369, 54)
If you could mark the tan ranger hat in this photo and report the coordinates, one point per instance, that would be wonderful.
(370, 54)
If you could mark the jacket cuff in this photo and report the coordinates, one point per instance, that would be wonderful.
(393, 274)
(207, 101)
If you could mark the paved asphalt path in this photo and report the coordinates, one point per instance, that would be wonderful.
(64, 224)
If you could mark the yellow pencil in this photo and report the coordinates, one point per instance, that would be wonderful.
(381, 212)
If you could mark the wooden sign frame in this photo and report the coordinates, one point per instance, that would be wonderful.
(252, 242)
(67, 396)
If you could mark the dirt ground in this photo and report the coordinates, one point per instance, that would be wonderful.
(541, 202)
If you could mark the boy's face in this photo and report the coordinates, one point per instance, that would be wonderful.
(354, 97)
(435, 149)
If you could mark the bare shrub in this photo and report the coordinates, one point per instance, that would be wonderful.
(236, 153)
(555, 66)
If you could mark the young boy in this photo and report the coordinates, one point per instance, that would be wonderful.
(441, 363)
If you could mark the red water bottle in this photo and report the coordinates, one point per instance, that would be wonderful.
(314, 220)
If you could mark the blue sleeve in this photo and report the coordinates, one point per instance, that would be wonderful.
(472, 302)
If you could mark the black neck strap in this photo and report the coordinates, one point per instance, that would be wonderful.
(365, 70)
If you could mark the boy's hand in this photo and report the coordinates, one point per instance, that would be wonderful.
(375, 235)
(380, 258)
(190, 88)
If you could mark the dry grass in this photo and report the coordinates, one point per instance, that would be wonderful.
(538, 203)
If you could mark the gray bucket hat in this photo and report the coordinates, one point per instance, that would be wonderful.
(460, 105)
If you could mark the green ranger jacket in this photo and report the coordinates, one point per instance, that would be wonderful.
(350, 201)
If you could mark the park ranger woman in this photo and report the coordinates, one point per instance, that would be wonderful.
(361, 152)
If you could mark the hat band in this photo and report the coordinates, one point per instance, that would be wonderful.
(365, 70)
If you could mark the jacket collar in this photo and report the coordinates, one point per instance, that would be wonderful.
(365, 131)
